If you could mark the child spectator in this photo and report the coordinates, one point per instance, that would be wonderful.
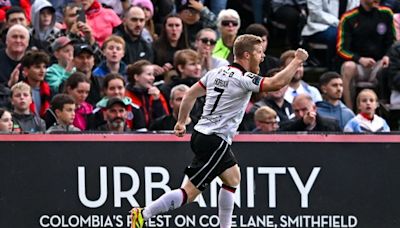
(6, 123)
(34, 65)
(43, 23)
(24, 120)
(114, 51)
(63, 106)
(265, 119)
(143, 93)
(60, 71)
(78, 87)
(366, 120)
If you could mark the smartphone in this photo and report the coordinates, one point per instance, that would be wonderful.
(81, 15)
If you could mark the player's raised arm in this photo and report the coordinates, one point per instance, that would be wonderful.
(186, 106)
(283, 77)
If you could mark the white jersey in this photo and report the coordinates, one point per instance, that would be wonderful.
(228, 92)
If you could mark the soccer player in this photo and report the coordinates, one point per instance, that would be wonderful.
(228, 90)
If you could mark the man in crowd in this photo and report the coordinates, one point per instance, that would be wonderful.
(331, 85)
(115, 115)
(307, 118)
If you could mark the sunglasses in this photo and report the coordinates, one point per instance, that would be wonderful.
(227, 23)
(208, 41)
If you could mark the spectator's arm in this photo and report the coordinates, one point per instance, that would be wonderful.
(344, 41)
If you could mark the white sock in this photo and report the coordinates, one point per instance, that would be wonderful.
(169, 201)
(225, 206)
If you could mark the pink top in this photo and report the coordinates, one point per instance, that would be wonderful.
(102, 21)
(81, 113)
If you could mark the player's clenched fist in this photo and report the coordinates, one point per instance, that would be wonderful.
(301, 54)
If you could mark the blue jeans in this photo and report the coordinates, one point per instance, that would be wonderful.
(216, 5)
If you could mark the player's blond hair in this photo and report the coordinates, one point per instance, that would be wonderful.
(245, 43)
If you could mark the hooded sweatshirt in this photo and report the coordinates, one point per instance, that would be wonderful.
(340, 112)
(40, 35)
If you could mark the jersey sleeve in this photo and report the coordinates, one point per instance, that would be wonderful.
(252, 82)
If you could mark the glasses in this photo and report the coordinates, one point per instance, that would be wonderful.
(208, 41)
(227, 23)
(268, 122)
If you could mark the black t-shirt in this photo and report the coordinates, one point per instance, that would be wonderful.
(7, 67)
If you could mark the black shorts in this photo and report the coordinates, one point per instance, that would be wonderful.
(213, 155)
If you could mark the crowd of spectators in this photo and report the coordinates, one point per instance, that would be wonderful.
(124, 66)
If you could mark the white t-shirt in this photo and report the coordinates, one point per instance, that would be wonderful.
(228, 92)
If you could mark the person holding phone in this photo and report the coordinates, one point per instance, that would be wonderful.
(75, 28)
(100, 19)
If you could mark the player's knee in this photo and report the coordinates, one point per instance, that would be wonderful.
(233, 181)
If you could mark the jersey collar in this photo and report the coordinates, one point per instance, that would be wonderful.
(238, 66)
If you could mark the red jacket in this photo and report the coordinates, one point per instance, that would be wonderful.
(150, 108)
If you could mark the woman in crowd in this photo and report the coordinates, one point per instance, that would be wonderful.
(143, 93)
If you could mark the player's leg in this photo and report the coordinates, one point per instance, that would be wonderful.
(169, 201)
(230, 180)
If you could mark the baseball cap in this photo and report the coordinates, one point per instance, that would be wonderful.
(80, 48)
(60, 42)
(115, 100)
(182, 5)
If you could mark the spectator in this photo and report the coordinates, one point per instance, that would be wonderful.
(195, 16)
(331, 85)
(114, 50)
(130, 30)
(323, 20)
(365, 34)
(143, 93)
(292, 14)
(170, 41)
(43, 24)
(366, 120)
(14, 15)
(34, 65)
(276, 101)
(307, 118)
(24, 120)
(228, 23)
(115, 115)
(114, 86)
(149, 31)
(84, 62)
(78, 87)
(297, 85)
(167, 122)
(100, 19)
(265, 119)
(63, 106)
(16, 44)
(6, 122)
(188, 68)
(205, 43)
(78, 31)
(269, 62)
(59, 72)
